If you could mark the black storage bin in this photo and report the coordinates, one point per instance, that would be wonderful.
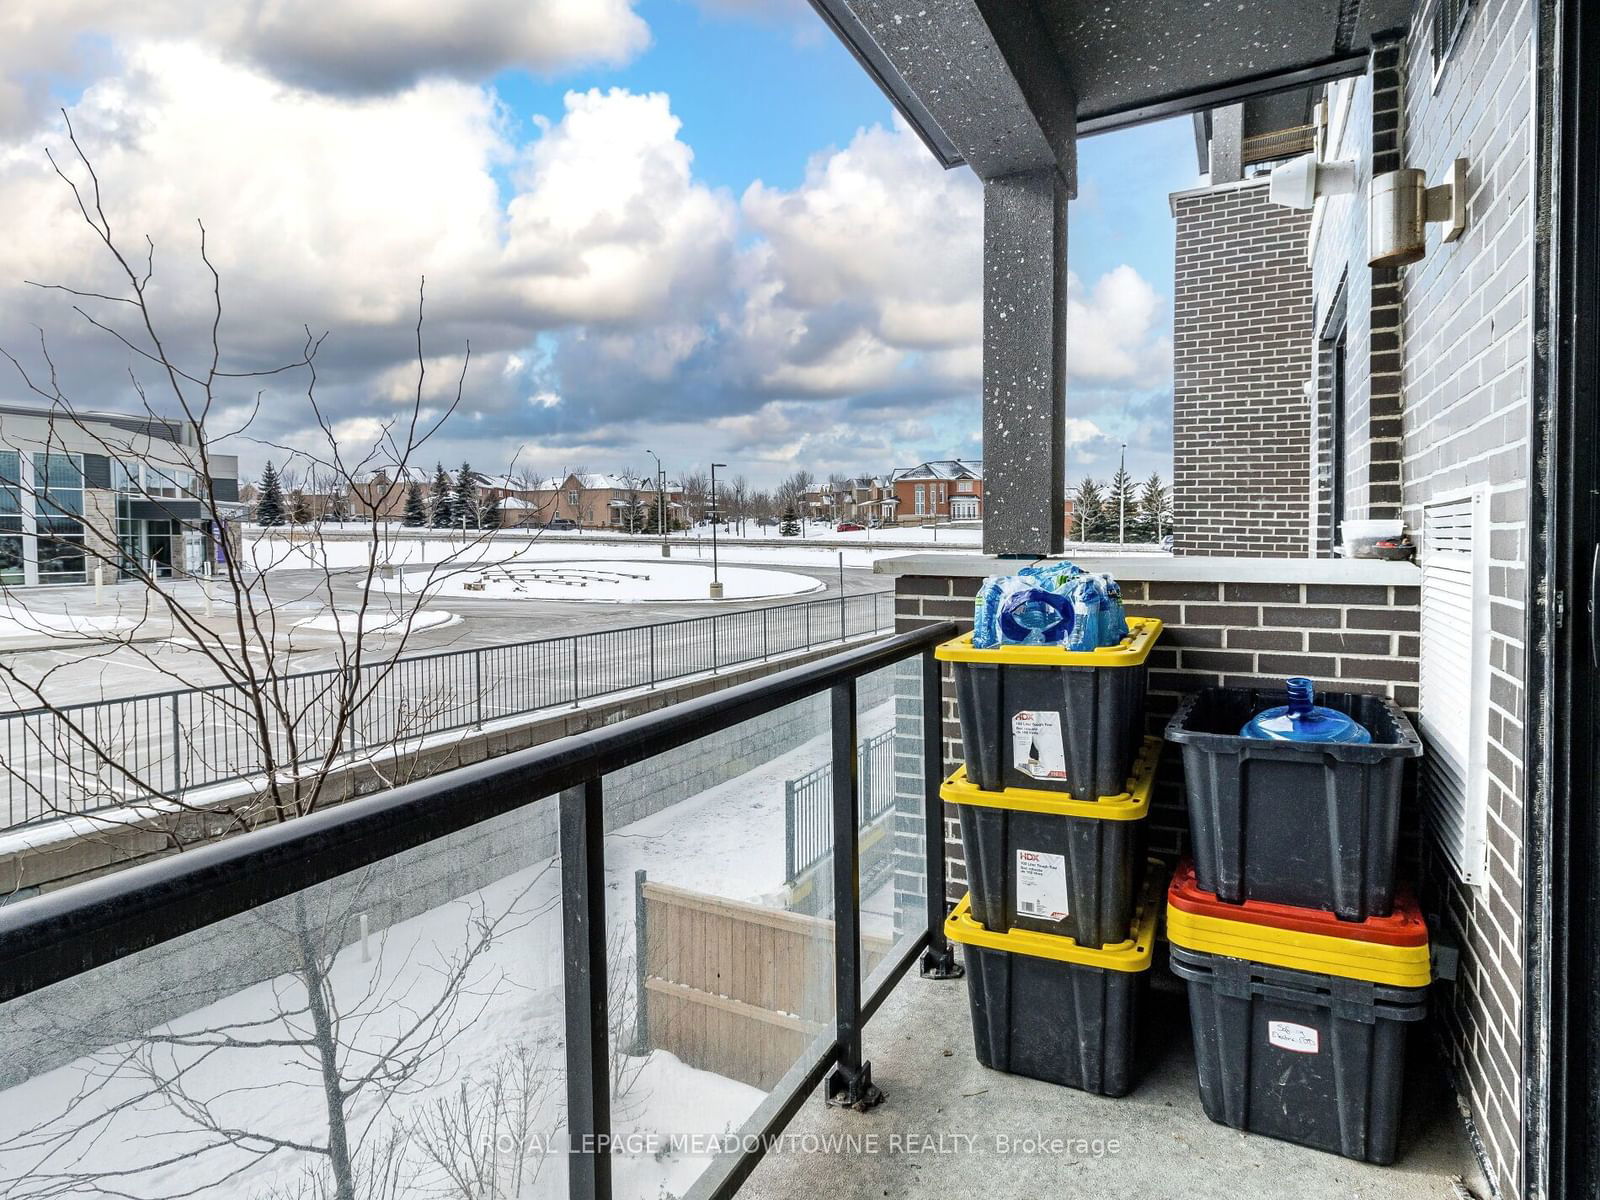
(1047, 1008)
(1050, 863)
(1310, 1058)
(1053, 719)
(1313, 824)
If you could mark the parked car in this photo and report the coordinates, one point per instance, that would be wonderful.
(848, 527)
(560, 523)
(765, 523)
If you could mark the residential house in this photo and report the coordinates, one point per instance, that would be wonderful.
(944, 490)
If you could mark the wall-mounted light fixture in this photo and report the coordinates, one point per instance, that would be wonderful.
(1298, 182)
(1401, 205)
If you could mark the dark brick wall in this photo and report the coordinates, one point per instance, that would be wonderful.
(1440, 355)
(1468, 362)
(1242, 353)
(1354, 638)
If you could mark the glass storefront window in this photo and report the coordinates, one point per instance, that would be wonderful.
(11, 559)
(61, 554)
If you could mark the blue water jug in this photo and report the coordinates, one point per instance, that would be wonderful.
(1301, 720)
(1034, 616)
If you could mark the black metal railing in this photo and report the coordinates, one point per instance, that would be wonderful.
(99, 755)
(62, 935)
(808, 809)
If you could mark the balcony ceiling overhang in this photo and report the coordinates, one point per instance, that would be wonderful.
(1004, 85)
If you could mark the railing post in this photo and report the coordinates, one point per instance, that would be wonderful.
(652, 629)
(808, 624)
(850, 1084)
(583, 953)
(938, 960)
(575, 701)
(766, 653)
(788, 832)
(477, 682)
(641, 966)
(177, 747)
(841, 597)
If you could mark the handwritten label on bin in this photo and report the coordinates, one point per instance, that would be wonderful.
(1286, 1035)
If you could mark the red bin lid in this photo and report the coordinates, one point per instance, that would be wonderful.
(1403, 927)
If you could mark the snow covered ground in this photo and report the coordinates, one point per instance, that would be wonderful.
(406, 549)
(622, 581)
(378, 623)
(222, 1101)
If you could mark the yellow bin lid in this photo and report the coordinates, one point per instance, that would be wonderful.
(1130, 805)
(1130, 956)
(1131, 651)
(1406, 966)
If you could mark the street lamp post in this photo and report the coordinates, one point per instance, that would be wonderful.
(716, 519)
(1122, 498)
(661, 504)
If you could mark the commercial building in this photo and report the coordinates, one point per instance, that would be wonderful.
(122, 492)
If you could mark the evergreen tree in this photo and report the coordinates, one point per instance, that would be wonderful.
(269, 504)
(1122, 507)
(1088, 512)
(1155, 509)
(634, 518)
(791, 523)
(441, 501)
(416, 509)
(654, 522)
(299, 508)
(489, 510)
(465, 512)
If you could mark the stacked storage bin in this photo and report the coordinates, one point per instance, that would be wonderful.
(1060, 918)
(1305, 962)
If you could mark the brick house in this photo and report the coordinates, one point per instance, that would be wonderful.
(946, 489)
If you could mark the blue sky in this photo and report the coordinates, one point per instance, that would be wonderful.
(689, 226)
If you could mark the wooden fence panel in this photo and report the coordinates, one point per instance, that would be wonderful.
(735, 988)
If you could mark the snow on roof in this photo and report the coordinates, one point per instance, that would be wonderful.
(944, 468)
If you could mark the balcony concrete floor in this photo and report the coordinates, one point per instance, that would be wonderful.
(920, 1045)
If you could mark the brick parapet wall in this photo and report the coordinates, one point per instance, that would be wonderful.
(1241, 358)
(1347, 637)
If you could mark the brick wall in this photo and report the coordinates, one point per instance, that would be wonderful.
(1241, 423)
(1439, 403)
(1360, 302)
(1347, 637)
(1467, 371)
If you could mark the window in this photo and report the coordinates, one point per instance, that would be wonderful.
(12, 565)
(572, 499)
(1448, 18)
(58, 519)
(965, 486)
(921, 494)
(1338, 413)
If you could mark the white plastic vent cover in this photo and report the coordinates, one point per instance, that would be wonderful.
(1455, 679)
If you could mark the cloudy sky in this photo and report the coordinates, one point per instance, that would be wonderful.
(687, 226)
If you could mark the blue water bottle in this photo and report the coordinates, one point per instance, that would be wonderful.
(1301, 720)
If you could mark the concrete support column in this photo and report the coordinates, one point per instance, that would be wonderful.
(1227, 144)
(1024, 362)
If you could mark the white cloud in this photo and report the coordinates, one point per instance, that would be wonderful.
(1111, 329)
(610, 224)
(354, 46)
(326, 210)
(870, 276)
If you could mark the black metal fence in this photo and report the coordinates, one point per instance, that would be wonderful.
(83, 758)
(66, 934)
(808, 804)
